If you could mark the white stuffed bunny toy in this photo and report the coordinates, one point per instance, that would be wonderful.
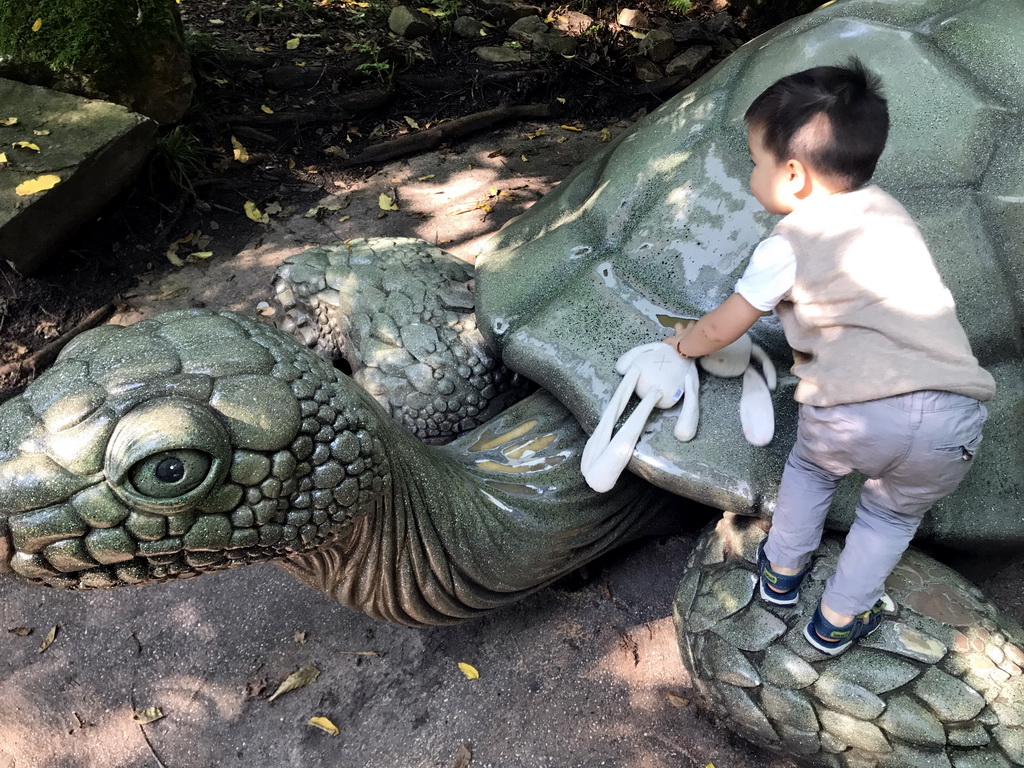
(660, 377)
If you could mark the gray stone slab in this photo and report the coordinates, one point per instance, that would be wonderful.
(95, 147)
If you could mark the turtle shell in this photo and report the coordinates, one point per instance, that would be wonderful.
(661, 223)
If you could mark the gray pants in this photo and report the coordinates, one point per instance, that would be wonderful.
(914, 448)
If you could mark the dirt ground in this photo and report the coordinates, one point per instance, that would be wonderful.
(298, 91)
(581, 675)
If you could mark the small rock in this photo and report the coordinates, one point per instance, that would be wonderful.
(468, 27)
(506, 11)
(647, 71)
(500, 54)
(688, 31)
(658, 45)
(720, 23)
(407, 23)
(560, 44)
(572, 23)
(689, 61)
(527, 28)
(634, 19)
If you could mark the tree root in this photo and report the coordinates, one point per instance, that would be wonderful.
(428, 139)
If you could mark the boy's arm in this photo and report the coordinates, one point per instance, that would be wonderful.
(718, 328)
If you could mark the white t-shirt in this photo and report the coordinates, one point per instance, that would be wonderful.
(770, 275)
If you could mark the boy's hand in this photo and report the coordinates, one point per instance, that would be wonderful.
(680, 334)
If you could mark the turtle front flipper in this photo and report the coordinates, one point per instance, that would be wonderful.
(401, 313)
(939, 684)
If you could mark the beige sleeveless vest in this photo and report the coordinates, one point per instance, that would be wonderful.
(869, 315)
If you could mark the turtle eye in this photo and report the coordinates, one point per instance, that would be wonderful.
(165, 456)
(170, 474)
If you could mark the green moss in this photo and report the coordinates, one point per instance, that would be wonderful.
(97, 38)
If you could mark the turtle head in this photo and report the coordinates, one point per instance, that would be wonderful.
(188, 443)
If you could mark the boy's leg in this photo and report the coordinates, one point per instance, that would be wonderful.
(805, 493)
(946, 432)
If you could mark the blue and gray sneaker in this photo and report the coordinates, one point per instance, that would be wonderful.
(833, 640)
(777, 588)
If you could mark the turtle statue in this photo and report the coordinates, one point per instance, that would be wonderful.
(196, 441)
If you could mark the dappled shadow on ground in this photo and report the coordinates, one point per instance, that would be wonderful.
(567, 678)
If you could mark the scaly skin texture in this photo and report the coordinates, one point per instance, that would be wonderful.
(939, 683)
(196, 441)
(401, 313)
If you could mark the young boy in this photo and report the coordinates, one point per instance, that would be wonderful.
(888, 384)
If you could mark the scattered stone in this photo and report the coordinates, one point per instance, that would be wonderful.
(647, 71)
(572, 23)
(634, 19)
(410, 24)
(686, 63)
(689, 31)
(508, 11)
(720, 23)
(527, 28)
(658, 45)
(469, 28)
(565, 46)
(500, 54)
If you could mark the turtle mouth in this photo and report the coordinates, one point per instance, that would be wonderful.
(80, 545)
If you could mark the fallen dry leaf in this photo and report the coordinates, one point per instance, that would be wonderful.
(387, 203)
(469, 671)
(324, 725)
(41, 133)
(39, 184)
(606, 135)
(47, 329)
(21, 631)
(412, 123)
(273, 209)
(344, 218)
(255, 214)
(298, 637)
(3, 158)
(570, 128)
(48, 640)
(428, 177)
(240, 153)
(147, 715)
(298, 679)
(6, 121)
(535, 134)
(37, 25)
(266, 110)
(675, 700)
(13, 351)
(463, 757)
(336, 150)
(292, 44)
(25, 145)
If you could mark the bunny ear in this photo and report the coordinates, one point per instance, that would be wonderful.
(757, 415)
(604, 468)
(598, 441)
(689, 414)
(767, 366)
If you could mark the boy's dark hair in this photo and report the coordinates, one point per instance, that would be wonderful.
(848, 98)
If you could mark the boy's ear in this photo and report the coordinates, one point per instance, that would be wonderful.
(797, 178)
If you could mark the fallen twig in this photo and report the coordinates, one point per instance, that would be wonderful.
(430, 138)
